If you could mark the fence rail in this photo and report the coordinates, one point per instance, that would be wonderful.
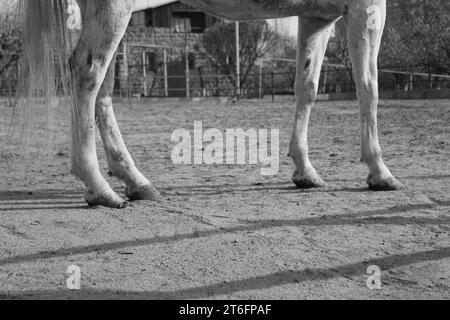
(265, 81)
(258, 83)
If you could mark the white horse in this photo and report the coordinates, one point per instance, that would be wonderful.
(92, 67)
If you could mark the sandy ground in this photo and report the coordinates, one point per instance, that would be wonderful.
(225, 232)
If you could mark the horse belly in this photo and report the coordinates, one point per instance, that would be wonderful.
(268, 9)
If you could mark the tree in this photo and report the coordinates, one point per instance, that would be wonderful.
(338, 53)
(218, 47)
(427, 35)
(10, 48)
(338, 50)
(282, 62)
(10, 40)
(416, 38)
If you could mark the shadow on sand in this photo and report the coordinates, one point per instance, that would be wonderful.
(253, 283)
(360, 218)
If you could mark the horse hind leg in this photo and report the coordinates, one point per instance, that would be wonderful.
(365, 24)
(312, 44)
(121, 164)
(104, 25)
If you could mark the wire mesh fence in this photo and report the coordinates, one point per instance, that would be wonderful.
(176, 80)
(260, 82)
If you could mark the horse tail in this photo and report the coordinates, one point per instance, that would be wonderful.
(44, 71)
(45, 43)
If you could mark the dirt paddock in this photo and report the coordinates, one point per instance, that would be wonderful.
(226, 232)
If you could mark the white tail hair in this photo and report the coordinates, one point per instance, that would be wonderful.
(44, 69)
(45, 44)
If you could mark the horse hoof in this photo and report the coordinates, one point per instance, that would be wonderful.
(308, 181)
(107, 200)
(147, 192)
(378, 184)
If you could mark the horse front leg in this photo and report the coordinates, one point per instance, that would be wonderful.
(365, 23)
(312, 44)
(121, 164)
(104, 25)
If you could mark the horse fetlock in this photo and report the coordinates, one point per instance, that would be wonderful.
(372, 156)
(76, 173)
(92, 179)
(300, 157)
(129, 174)
(297, 148)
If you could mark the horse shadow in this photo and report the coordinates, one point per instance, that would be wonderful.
(61, 199)
(276, 187)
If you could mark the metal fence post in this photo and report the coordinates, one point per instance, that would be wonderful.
(238, 63)
(144, 73)
(10, 93)
(261, 91)
(166, 81)
(325, 78)
(129, 89)
(188, 89)
(430, 83)
(273, 86)
(126, 67)
(411, 82)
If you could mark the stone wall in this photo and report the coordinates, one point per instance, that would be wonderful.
(130, 68)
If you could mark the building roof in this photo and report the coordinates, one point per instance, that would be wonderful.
(150, 4)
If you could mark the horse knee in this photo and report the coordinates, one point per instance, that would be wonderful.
(87, 69)
(77, 169)
(307, 92)
(103, 105)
